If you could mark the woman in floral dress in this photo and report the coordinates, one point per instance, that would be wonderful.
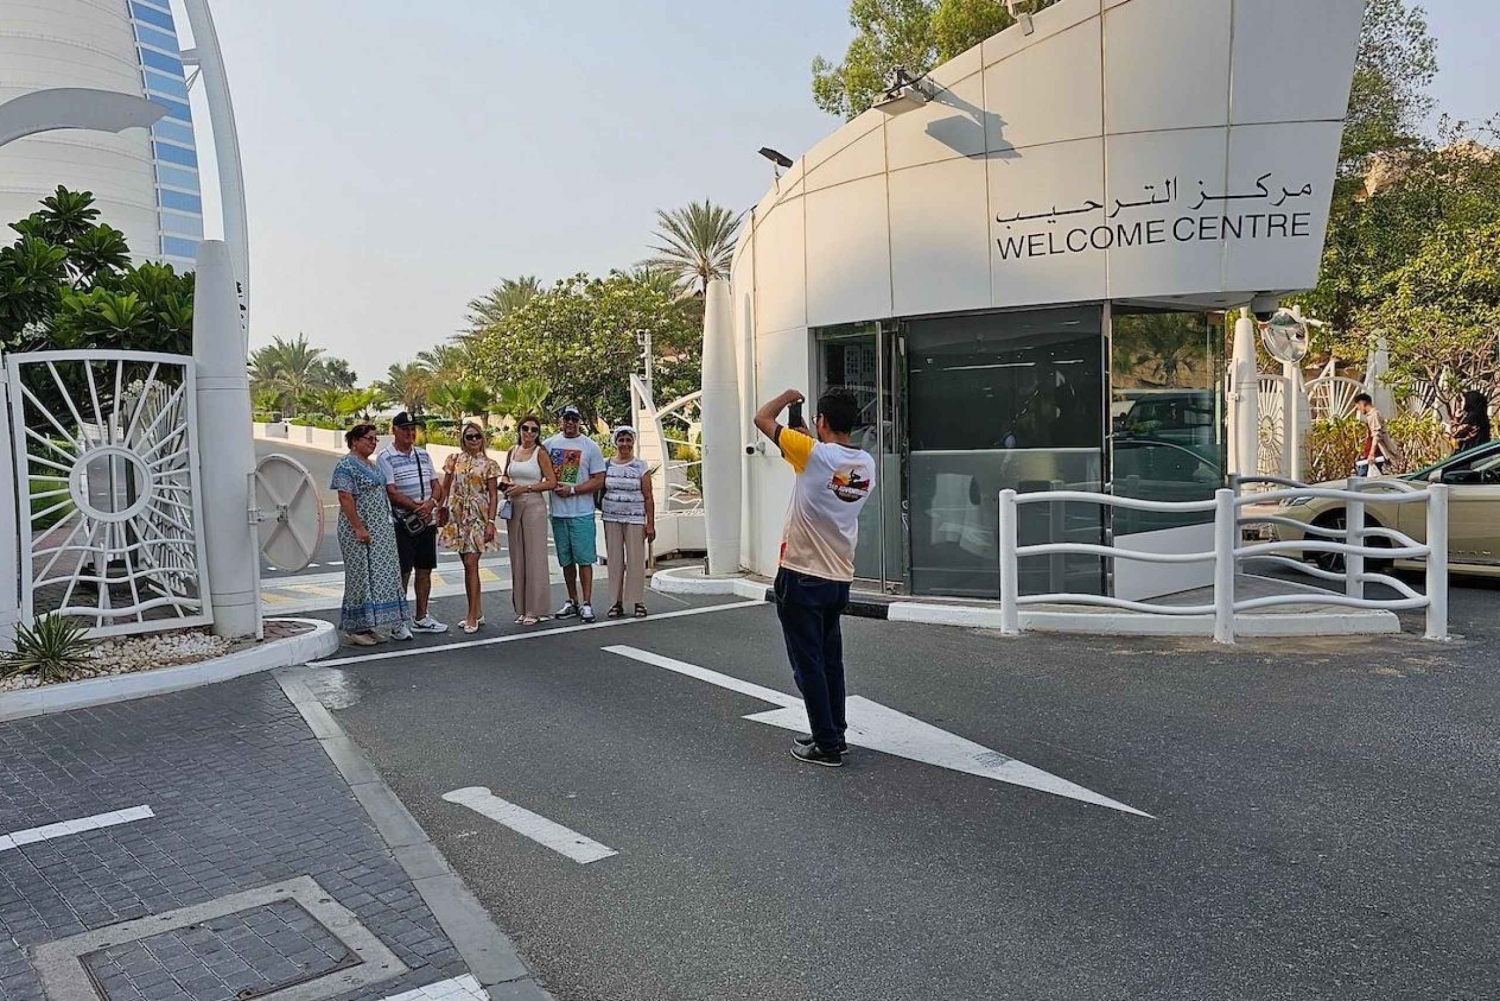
(470, 485)
(373, 595)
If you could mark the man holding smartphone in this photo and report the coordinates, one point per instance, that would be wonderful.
(817, 556)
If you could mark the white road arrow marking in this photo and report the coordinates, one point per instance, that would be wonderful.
(881, 728)
(548, 833)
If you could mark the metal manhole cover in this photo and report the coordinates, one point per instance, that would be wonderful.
(242, 955)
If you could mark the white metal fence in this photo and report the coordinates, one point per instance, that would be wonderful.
(1230, 550)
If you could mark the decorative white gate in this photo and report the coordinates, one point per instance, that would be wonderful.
(1271, 394)
(1332, 396)
(106, 460)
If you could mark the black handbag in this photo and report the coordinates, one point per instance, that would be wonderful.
(410, 522)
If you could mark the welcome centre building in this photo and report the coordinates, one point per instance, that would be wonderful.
(1021, 266)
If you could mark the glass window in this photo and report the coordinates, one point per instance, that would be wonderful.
(847, 360)
(151, 15)
(1167, 413)
(182, 225)
(1004, 401)
(160, 39)
(177, 178)
(176, 154)
(181, 202)
(175, 109)
(170, 86)
(176, 132)
(163, 62)
(176, 247)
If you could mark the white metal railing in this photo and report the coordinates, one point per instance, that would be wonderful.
(1229, 550)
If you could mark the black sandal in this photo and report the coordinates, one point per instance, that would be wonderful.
(640, 611)
(616, 611)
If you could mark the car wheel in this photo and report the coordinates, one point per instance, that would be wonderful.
(1334, 562)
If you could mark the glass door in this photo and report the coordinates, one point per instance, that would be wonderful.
(850, 357)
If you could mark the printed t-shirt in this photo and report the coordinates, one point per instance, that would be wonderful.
(574, 460)
(822, 523)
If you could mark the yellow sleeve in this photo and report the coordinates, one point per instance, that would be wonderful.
(796, 448)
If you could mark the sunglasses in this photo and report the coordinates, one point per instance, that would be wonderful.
(531, 429)
(473, 437)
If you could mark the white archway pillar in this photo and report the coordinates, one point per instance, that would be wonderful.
(722, 487)
(1244, 402)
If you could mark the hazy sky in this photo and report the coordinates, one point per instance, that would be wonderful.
(401, 156)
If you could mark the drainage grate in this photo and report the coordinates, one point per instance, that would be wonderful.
(242, 955)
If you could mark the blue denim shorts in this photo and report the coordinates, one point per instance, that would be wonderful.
(575, 541)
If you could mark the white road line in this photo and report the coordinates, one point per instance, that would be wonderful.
(881, 728)
(464, 988)
(32, 835)
(537, 634)
(547, 833)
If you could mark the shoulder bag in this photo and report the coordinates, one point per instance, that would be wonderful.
(408, 521)
(507, 510)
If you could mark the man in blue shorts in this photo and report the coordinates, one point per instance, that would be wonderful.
(580, 469)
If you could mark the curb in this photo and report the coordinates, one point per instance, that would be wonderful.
(692, 580)
(1345, 623)
(322, 641)
(487, 951)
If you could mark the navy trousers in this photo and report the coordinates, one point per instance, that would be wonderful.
(809, 609)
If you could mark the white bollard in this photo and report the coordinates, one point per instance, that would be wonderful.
(226, 448)
(722, 446)
(1010, 608)
(1354, 535)
(1437, 561)
(1226, 540)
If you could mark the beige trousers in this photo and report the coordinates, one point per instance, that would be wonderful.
(526, 535)
(625, 548)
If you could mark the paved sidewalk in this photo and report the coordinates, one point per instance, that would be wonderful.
(169, 804)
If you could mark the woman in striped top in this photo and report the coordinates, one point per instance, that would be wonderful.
(629, 524)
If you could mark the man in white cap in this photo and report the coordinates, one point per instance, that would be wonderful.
(580, 468)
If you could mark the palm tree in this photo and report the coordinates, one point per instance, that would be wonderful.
(525, 396)
(362, 402)
(697, 244)
(500, 301)
(408, 385)
(328, 400)
(288, 367)
(335, 373)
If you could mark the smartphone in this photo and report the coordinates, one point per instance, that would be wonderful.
(794, 415)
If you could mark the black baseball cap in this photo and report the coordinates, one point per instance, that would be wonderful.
(405, 420)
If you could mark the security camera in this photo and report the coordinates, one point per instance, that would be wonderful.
(755, 447)
(1264, 307)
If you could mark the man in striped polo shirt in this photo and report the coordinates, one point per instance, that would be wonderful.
(412, 482)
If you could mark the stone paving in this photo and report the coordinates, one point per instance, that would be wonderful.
(242, 796)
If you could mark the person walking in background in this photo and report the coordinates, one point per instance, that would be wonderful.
(1472, 428)
(579, 466)
(1380, 448)
(527, 478)
(373, 594)
(416, 494)
(472, 494)
(817, 558)
(629, 525)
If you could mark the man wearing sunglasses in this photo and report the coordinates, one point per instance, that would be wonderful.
(416, 494)
(579, 466)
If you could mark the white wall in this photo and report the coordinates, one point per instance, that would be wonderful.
(76, 43)
(1141, 124)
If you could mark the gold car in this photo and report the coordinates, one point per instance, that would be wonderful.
(1473, 513)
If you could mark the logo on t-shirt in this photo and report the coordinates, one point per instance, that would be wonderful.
(568, 462)
(848, 485)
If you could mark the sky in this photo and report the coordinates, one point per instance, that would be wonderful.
(402, 156)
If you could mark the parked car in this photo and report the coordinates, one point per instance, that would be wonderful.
(1473, 513)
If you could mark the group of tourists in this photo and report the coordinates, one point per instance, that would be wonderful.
(396, 509)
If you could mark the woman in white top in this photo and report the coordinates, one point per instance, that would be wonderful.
(528, 475)
(629, 524)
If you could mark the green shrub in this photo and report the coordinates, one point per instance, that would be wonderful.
(52, 647)
(1335, 445)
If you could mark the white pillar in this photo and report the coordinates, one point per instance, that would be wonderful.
(1244, 412)
(722, 447)
(226, 446)
(1377, 367)
(207, 56)
(10, 528)
(1298, 419)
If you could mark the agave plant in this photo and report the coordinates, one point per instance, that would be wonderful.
(53, 648)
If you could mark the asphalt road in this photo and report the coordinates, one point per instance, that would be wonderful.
(1324, 813)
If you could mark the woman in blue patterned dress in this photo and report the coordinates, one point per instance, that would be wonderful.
(373, 595)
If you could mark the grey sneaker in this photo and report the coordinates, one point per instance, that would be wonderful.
(401, 632)
(568, 611)
(806, 740)
(586, 612)
(427, 624)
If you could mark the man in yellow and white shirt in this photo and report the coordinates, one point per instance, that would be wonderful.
(834, 480)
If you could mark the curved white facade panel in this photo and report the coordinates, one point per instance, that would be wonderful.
(145, 184)
(1177, 153)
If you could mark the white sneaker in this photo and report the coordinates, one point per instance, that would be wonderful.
(586, 612)
(427, 624)
(401, 632)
